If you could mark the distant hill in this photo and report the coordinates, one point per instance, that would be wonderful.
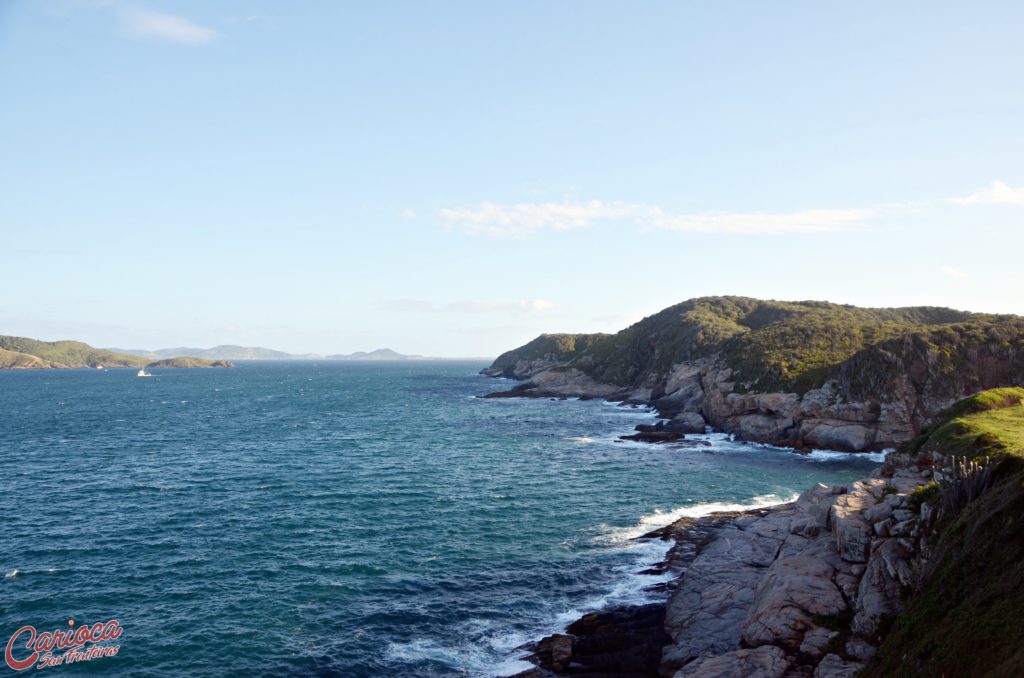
(223, 352)
(379, 354)
(23, 353)
(190, 362)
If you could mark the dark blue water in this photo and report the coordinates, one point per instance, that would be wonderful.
(342, 519)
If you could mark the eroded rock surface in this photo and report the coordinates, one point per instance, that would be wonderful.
(801, 589)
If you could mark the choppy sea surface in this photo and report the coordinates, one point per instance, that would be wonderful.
(339, 519)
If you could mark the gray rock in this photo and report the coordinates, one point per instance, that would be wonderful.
(860, 649)
(834, 666)
(759, 662)
(816, 641)
(793, 591)
(687, 422)
(878, 596)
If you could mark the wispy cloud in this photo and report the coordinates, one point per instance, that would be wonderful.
(997, 193)
(468, 306)
(147, 24)
(954, 273)
(761, 223)
(524, 219)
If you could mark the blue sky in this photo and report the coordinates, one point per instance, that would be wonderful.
(453, 178)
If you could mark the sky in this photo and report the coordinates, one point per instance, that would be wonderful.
(455, 178)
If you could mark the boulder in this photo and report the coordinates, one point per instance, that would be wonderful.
(687, 422)
(795, 590)
(760, 662)
(834, 666)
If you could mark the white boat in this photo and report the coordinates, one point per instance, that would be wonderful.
(143, 373)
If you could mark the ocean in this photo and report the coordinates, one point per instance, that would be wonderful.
(340, 518)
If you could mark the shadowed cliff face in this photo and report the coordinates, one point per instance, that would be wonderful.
(806, 374)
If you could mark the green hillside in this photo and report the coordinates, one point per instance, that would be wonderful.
(966, 619)
(60, 354)
(791, 346)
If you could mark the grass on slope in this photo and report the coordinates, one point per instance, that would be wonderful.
(988, 424)
(967, 620)
(69, 353)
(15, 360)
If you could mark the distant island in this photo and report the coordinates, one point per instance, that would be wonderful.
(186, 362)
(234, 352)
(22, 353)
(222, 352)
(379, 354)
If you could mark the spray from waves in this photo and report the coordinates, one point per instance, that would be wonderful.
(15, 573)
(490, 649)
(831, 455)
(661, 518)
(724, 442)
(484, 652)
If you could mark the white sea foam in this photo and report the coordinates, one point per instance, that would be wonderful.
(480, 659)
(660, 518)
(12, 574)
(831, 455)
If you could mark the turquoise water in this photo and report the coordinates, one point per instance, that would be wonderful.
(337, 519)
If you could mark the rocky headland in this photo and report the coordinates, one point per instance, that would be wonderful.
(809, 375)
(917, 570)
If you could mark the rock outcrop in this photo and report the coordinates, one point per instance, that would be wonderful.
(803, 589)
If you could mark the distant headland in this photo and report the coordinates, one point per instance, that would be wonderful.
(22, 353)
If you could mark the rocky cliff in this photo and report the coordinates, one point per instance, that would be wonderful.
(917, 570)
(805, 374)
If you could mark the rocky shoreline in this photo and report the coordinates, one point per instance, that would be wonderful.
(805, 588)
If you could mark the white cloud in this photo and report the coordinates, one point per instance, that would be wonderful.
(525, 219)
(143, 23)
(408, 213)
(761, 223)
(469, 306)
(951, 272)
(997, 193)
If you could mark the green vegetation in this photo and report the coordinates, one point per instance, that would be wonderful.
(22, 353)
(988, 424)
(924, 494)
(60, 354)
(15, 360)
(549, 347)
(966, 620)
(796, 346)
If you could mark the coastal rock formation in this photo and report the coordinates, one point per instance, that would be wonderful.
(917, 570)
(801, 589)
(803, 374)
(791, 590)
